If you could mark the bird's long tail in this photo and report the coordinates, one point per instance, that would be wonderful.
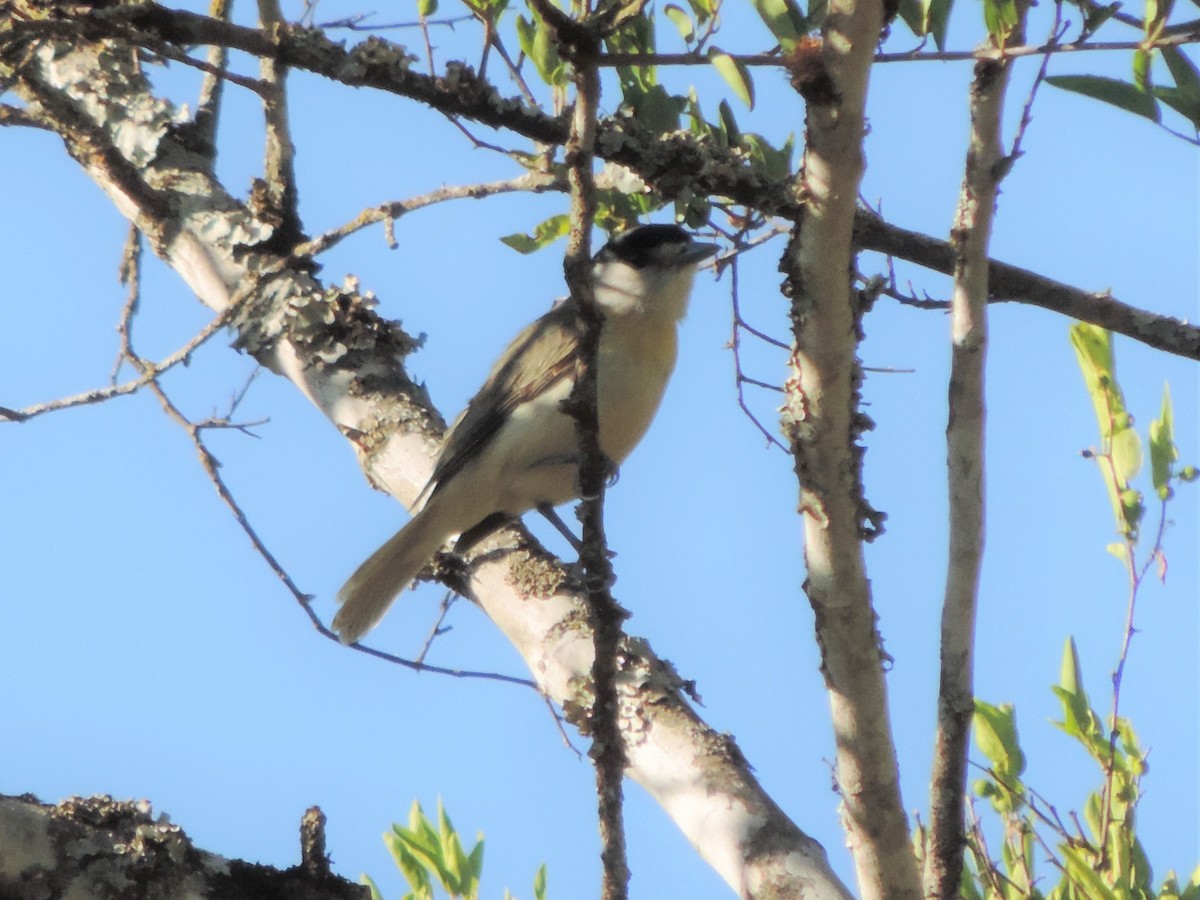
(374, 585)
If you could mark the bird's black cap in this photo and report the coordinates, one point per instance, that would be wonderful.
(642, 246)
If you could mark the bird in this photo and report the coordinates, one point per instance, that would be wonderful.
(514, 448)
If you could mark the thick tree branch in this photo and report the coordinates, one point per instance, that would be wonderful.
(330, 344)
(1009, 283)
(100, 847)
(823, 424)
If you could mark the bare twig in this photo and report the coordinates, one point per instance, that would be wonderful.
(1190, 34)
(152, 371)
(129, 275)
(436, 630)
(735, 341)
(533, 182)
(358, 23)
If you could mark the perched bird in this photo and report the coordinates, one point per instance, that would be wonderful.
(514, 448)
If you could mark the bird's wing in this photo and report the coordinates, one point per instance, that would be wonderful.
(541, 355)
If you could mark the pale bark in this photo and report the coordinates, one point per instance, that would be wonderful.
(823, 423)
(970, 237)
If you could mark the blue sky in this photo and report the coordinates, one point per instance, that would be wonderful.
(150, 653)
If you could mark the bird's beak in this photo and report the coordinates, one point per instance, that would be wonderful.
(698, 253)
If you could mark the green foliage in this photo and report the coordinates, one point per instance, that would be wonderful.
(426, 853)
(736, 75)
(783, 19)
(1000, 17)
(1120, 453)
(544, 234)
(1112, 91)
(1093, 850)
(1141, 96)
(539, 48)
(1119, 457)
(1100, 857)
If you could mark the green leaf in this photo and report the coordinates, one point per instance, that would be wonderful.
(655, 108)
(1126, 455)
(706, 9)
(1094, 353)
(783, 19)
(546, 233)
(475, 860)
(1141, 70)
(426, 8)
(1120, 551)
(729, 126)
(1184, 98)
(1183, 70)
(937, 19)
(1116, 93)
(912, 13)
(539, 47)
(376, 894)
(539, 883)
(1000, 17)
(1098, 16)
(1157, 12)
(1080, 870)
(682, 21)
(1163, 451)
(736, 75)
(996, 735)
(1070, 676)
(1079, 719)
(776, 161)
(1187, 105)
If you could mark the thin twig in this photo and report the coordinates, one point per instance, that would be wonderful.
(97, 395)
(437, 630)
(129, 275)
(1173, 39)
(533, 182)
(740, 377)
(355, 23)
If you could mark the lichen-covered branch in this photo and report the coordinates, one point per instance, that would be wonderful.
(823, 424)
(101, 847)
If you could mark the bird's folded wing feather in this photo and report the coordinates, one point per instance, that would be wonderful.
(541, 355)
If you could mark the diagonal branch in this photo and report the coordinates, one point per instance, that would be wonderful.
(1009, 283)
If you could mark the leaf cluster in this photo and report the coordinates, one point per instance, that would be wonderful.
(426, 854)
(1098, 858)
(1119, 456)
